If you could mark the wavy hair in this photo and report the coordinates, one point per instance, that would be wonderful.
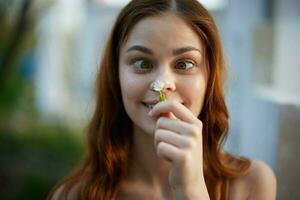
(109, 133)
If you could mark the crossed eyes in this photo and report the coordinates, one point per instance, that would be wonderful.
(141, 65)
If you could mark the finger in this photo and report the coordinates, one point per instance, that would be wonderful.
(168, 115)
(170, 137)
(169, 152)
(180, 127)
(180, 111)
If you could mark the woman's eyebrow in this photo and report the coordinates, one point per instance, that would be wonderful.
(177, 51)
(140, 48)
(185, 49)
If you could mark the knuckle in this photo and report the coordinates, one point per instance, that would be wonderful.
(194, 131)
(181, 158)
(184, 158)
(173, 104)
(158, 135)
(160, 122)
(160, 148)
(190, 143)
(187, 157)
(200, 124)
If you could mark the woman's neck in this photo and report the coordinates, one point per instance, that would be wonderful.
(145, 165)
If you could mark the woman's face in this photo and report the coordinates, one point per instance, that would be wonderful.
(161, 48)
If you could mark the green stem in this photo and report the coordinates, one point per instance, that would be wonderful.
(162, 96)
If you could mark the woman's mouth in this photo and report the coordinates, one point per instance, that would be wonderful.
(150, 105)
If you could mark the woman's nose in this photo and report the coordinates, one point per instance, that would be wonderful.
(168, 80)
(169, 86)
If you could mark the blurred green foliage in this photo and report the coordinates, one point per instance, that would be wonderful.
(33, 160)
(34, 154)
(17, 39)
(18, 20)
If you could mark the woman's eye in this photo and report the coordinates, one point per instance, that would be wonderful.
(184, 65)
(141, 65)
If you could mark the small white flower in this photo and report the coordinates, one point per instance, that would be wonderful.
(157, 86)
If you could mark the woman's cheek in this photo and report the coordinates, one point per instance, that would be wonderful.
(131, 85)
(193, 92)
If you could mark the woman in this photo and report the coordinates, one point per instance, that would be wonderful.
(141, 146)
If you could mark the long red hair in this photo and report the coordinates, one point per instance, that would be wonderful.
(109, 134)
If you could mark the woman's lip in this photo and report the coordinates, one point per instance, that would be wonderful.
(154, 102)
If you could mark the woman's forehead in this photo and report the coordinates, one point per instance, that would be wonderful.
(167, 30)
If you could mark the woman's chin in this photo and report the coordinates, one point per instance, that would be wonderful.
(146, 128)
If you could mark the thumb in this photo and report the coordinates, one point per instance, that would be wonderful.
(169, 115)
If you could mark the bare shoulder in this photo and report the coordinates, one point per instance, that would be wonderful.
(72, 193)
(258, 184)
(262, 180)
(55, 195)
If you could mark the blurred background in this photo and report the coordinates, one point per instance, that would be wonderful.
(49, 55)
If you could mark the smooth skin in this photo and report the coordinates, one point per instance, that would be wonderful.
(167, 160)
(165, 48)
(174, 161)
(179, 140)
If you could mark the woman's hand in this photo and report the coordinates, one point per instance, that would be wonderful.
(178, 138)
